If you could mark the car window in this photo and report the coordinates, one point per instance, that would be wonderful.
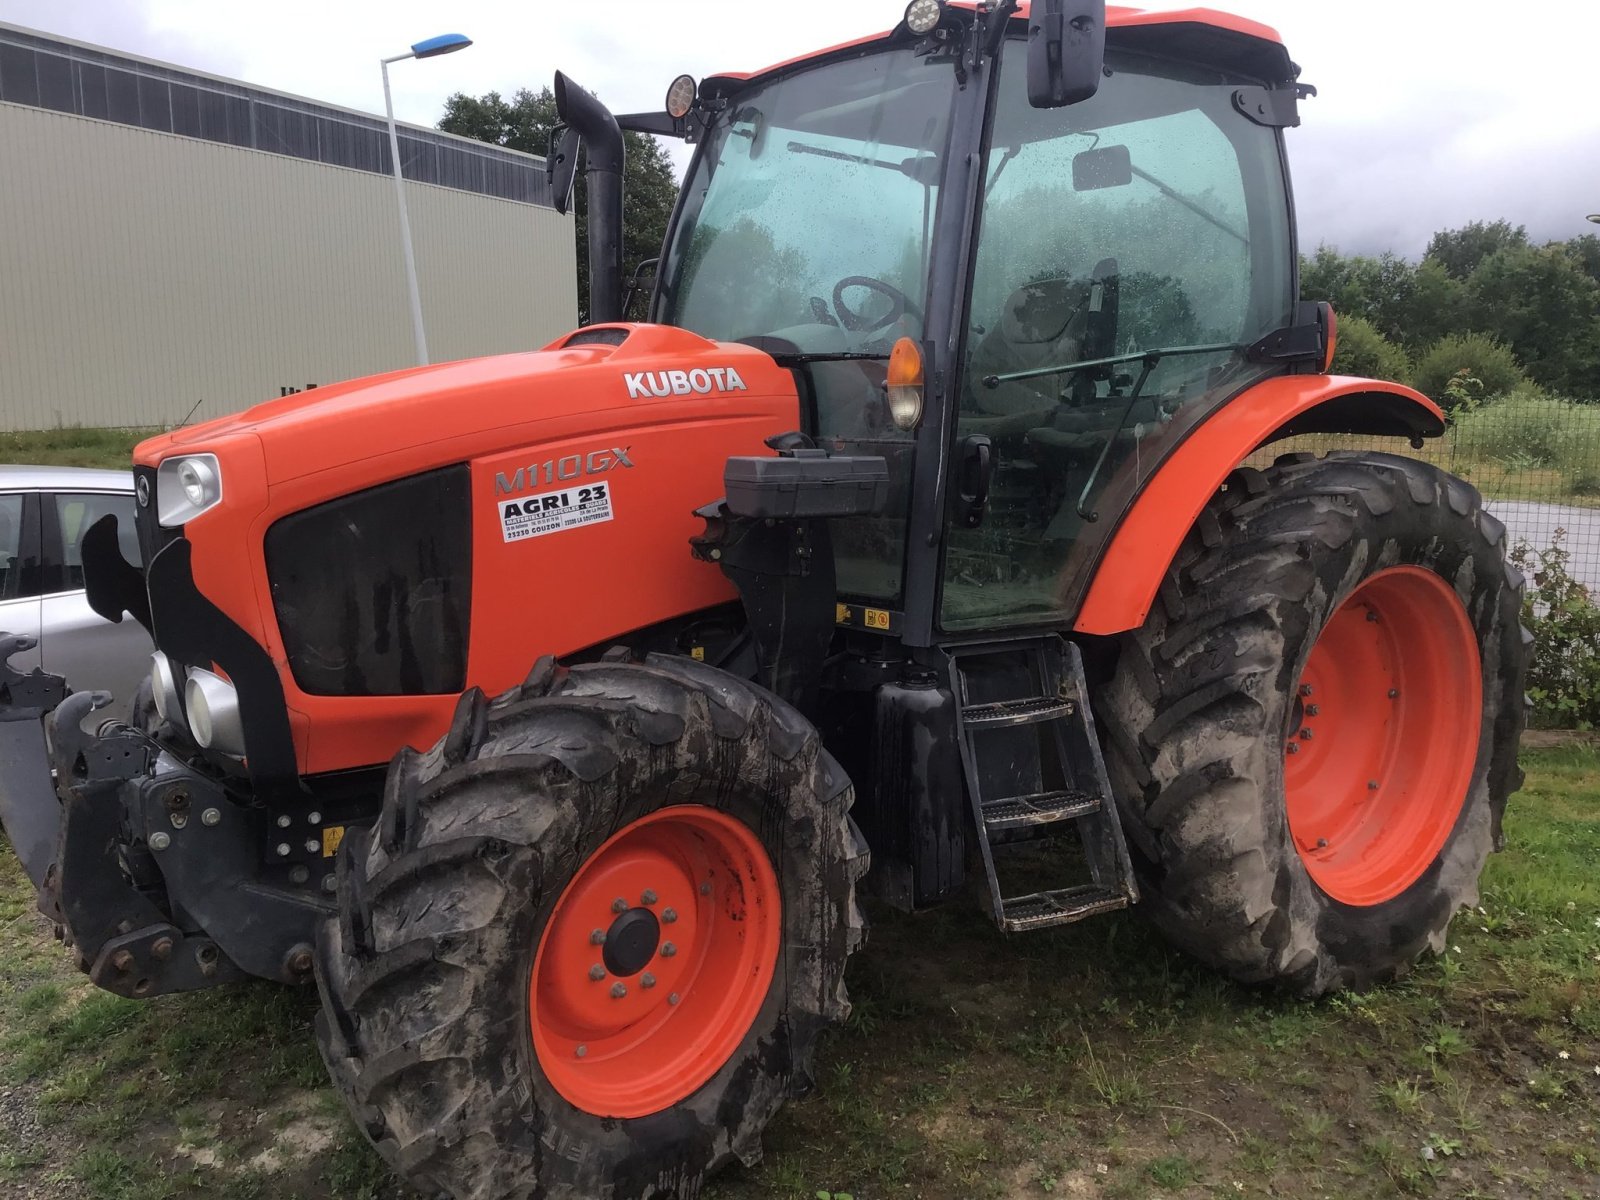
(11, 547)
(76, 514)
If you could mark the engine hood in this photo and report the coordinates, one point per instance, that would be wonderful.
(593, 380)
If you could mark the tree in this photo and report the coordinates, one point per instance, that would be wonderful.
(1459, 251)
(1540, 302)
(525, 121)
(1410, 306)
(1585, 251)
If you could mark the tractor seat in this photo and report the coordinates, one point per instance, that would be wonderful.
(1041, 325)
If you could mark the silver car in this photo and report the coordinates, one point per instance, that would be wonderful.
(44, 513)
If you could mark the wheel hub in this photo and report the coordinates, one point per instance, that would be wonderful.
(1382, 737)
(655, 961)
(631, 942)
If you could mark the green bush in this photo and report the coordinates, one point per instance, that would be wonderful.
(1526, 429)
(1363, 351)
(1481, 357)
(1564, 678)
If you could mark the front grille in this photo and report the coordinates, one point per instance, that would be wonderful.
(373, 591)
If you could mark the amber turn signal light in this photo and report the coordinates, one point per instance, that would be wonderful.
(904, 384)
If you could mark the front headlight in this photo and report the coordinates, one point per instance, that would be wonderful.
(214, 712)
(165, 686)
(186, 487)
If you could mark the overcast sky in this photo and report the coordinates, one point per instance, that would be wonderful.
(1432, 113)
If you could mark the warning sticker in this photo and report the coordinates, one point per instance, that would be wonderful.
(551, 512)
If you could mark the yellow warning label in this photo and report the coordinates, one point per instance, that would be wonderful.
(841, 614)
(876, 618)
(331, 837)
(698, 653)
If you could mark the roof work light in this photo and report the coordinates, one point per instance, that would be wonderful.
(922, 16)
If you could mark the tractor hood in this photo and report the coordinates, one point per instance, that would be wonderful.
(594, 380)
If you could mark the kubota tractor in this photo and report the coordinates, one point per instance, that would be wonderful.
(543, 708)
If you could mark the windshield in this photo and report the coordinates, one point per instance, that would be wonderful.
(809, 212)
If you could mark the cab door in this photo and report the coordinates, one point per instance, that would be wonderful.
(1130, 250)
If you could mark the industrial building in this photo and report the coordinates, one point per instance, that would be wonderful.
(175, 246)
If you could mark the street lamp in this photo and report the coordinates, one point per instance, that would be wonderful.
(445, 43)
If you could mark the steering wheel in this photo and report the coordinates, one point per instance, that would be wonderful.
(854, 321)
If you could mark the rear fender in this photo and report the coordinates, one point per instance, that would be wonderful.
(1134, 563)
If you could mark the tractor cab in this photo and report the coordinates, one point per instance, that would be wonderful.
(1078, 283)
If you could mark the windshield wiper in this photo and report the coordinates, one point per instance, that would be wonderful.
(1149, 357)
(839, 356)
(923, 168)
(1196, 208)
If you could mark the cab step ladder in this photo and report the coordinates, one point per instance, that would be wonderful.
(1032, 763)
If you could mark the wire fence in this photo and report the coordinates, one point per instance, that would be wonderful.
(1535, 459)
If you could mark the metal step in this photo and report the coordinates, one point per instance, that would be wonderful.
(1041, 910)
(1043, 808)
(1030, 711)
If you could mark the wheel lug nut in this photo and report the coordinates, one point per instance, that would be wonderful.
(1305, 735)
(618, 990)
(668, 949)
(597, 972)
(1312, 710)
(1372, 616)
(673, 999)
(669, 915)
(597, 937)
(1394, 693)
(582, 1050)
(1305, 689)
(1322, 843)
(647, 980)
(649, 896)
(705, 889)
(619, 905)
(1372, 785)
(1292, 748)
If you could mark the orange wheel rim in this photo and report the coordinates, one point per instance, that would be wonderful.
(1383, 737)
(655, 962)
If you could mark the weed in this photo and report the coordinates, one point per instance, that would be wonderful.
(1172, 1172)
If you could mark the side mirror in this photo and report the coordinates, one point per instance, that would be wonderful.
(1104, 167)
(1066, 51)
(561, 166)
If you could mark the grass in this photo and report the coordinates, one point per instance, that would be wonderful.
(1089, 1061)
(73, 446)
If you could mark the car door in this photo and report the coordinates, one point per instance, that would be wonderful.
(93, 654)
(20, 572)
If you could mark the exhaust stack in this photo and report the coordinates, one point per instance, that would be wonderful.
(582, 111)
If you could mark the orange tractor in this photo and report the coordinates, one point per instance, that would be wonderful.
(542, 709)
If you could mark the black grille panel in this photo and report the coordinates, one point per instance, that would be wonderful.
(373, 591)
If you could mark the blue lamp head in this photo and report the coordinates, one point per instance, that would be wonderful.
(445, 43)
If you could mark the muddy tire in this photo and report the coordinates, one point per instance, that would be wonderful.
(460, 1020)
(1313, 737)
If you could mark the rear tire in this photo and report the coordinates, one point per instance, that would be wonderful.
(1323, 864)
(496, 838)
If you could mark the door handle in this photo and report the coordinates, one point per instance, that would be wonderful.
(972, 483)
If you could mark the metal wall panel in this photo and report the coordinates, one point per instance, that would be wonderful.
(150, 279)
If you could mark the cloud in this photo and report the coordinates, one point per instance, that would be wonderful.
(1430, 114)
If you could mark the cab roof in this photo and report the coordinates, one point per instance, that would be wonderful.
(1263, 45)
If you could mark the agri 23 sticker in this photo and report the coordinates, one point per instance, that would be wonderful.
(551, 512)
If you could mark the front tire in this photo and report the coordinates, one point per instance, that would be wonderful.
(1313, 737)
(461, 1020)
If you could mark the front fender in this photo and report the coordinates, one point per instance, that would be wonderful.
(1134, 564)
